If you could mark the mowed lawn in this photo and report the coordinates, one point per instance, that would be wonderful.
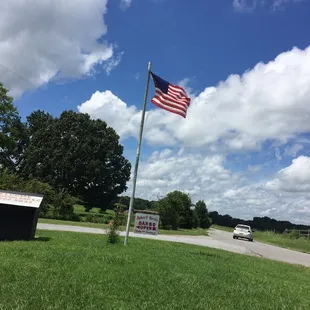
(62, 270)
(189, 232)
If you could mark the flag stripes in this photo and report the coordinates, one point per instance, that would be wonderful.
(170, 97)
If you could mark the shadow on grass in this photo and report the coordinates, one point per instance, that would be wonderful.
(42, 239)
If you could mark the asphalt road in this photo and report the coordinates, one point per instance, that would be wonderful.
(216, 239)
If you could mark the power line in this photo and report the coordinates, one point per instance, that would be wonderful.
(19, 76)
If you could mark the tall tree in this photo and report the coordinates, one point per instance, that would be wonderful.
(78, 154)
(13, 133)
(203, 215)
(169, 216)
(175, 210)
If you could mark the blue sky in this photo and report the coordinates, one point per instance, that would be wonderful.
(245, 145)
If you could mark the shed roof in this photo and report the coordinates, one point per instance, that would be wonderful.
(20, 199)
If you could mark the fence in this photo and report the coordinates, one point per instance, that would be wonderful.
(302, 233)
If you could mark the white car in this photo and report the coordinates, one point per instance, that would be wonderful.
(243, 231)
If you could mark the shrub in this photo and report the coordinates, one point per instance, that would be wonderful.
(112, 233)
(12, 182)
(95, 218)
(38, 187)
(294, 234)
(63, 204)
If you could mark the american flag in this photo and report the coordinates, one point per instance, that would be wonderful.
(170, 97)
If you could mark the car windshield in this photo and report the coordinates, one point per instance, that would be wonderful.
(242, 227)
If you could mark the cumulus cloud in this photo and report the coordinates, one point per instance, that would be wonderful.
(105, 105)
(295, 178)
(42, 40)
(268, 102)
(190, 172)
(206, 177)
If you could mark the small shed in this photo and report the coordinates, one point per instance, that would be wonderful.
(18, 215)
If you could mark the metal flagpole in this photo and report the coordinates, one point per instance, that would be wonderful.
(134, 180)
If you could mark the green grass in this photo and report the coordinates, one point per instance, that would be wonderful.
(72, 223)
(190, 232)
(284, 241)
(75, 271)
(80, 208)
(229, 229)
(301, 244)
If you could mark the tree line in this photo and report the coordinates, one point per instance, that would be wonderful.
(174, 212)
(70, 156)
(259, 223)
(73, 159)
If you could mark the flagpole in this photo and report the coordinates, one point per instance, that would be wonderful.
(135, 173)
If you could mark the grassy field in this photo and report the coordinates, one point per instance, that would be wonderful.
(190, 232)
(222, 228)
(302, 245)
(75, 271)
(284, 241)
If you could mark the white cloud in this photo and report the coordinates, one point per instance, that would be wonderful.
(41, 40)
(191, 172)
(105, 105)
(295, 178)
(268, 102)
(206, 177)
(125, 4)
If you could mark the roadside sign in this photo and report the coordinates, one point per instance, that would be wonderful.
(146, 224)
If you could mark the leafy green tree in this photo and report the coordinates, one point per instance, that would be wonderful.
(78, 154)
(13, 182)
(185, 212)
(13, 133)
(63, 204)
(38, 187)
(175, 211)
(201, 210)
(10, 181)
(169, 216)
